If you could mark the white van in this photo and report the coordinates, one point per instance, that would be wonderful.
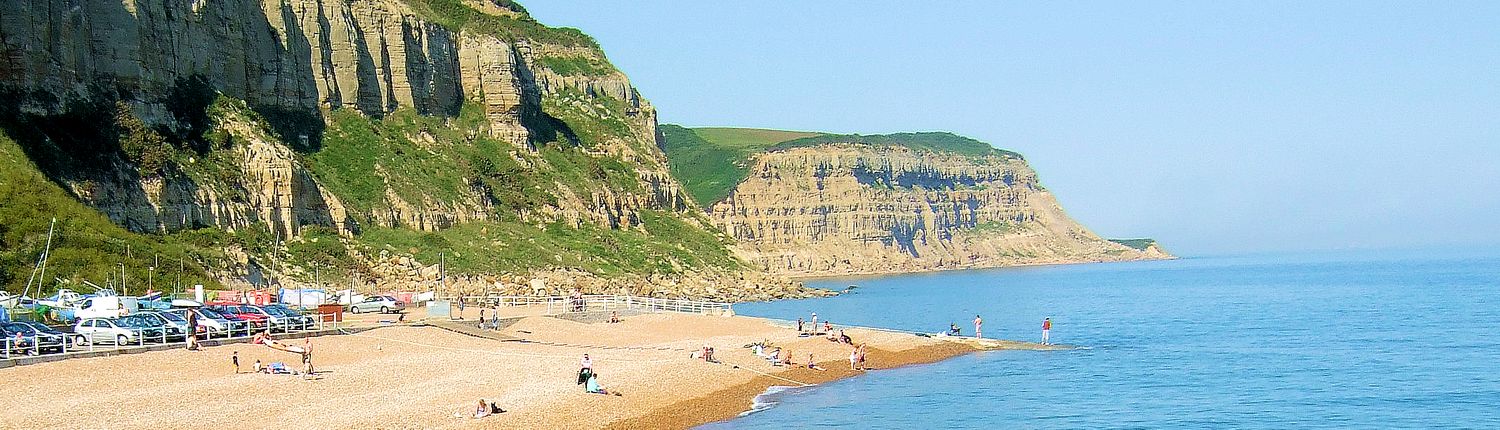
(106, 307)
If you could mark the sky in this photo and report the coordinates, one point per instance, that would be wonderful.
(1215, 127)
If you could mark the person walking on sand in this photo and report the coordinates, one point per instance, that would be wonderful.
(235, 358)
(1047, 331)
(977, 323)
(815, 321)
(586, 363)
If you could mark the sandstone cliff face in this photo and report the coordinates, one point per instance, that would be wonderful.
(310, 57)
(850, 208)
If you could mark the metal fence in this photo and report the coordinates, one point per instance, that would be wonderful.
(556, 305)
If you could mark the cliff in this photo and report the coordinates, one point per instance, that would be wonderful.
(358, 137)
(833, 204)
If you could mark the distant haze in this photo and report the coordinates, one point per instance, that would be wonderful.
(1215, 127)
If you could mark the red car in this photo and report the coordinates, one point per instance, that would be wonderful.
(238, 312)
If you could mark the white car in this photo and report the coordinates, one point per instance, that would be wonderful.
(104, 330)
(210, 323)
(382, 304)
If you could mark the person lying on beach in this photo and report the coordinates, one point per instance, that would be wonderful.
(775, 357)
(593, 387)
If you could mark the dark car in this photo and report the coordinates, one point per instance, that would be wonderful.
(49, 339)
(15, 342)
(295, 319)
(151, 329)
(174, 331)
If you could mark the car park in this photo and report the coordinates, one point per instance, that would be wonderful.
(382, 304)
(255, 320)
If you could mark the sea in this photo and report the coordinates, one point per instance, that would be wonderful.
(1350, 339)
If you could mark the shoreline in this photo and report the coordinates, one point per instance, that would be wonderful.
(426, 376)
(872, 273)
(732, 402)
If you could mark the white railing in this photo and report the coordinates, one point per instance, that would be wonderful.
(12, 347)
(555, 305)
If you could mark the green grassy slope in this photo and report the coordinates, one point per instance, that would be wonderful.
(86, 245)
(1137, 244)
(925, 141)
(710, 162)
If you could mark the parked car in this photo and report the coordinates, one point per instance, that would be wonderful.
(382, 304)
(38, 336)
(255, 320)
(275, 320)
(161, 321)
(295, 319)
(210, 323)
(120, 331)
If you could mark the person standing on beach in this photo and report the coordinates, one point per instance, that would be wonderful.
(192, 330)
(1046, 331)
(978, 322)
(235, 358)
(815, 321)
(799, 324)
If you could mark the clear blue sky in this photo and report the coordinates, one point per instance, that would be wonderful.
(1216, 127)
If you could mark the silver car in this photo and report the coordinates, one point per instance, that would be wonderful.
(116, 331)
(382, 304)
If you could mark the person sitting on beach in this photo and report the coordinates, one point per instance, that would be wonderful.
(827, 327)
(813, 365)
(482, 410)
(786, 358)
(952, 329)
(614, 317)
(593, 387)
(844, 338)
(257, 367)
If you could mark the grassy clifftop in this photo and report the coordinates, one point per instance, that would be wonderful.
(711, 161)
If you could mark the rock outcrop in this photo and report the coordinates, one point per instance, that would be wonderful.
(854, 208)
(305, 58)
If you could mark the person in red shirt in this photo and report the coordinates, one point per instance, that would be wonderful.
(1046, 331)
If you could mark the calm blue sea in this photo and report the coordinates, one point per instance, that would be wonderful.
(1347, 340)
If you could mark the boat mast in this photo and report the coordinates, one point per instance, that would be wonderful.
(41, 263)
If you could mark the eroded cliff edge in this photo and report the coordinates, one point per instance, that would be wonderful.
(283, 142)
(832, 205)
